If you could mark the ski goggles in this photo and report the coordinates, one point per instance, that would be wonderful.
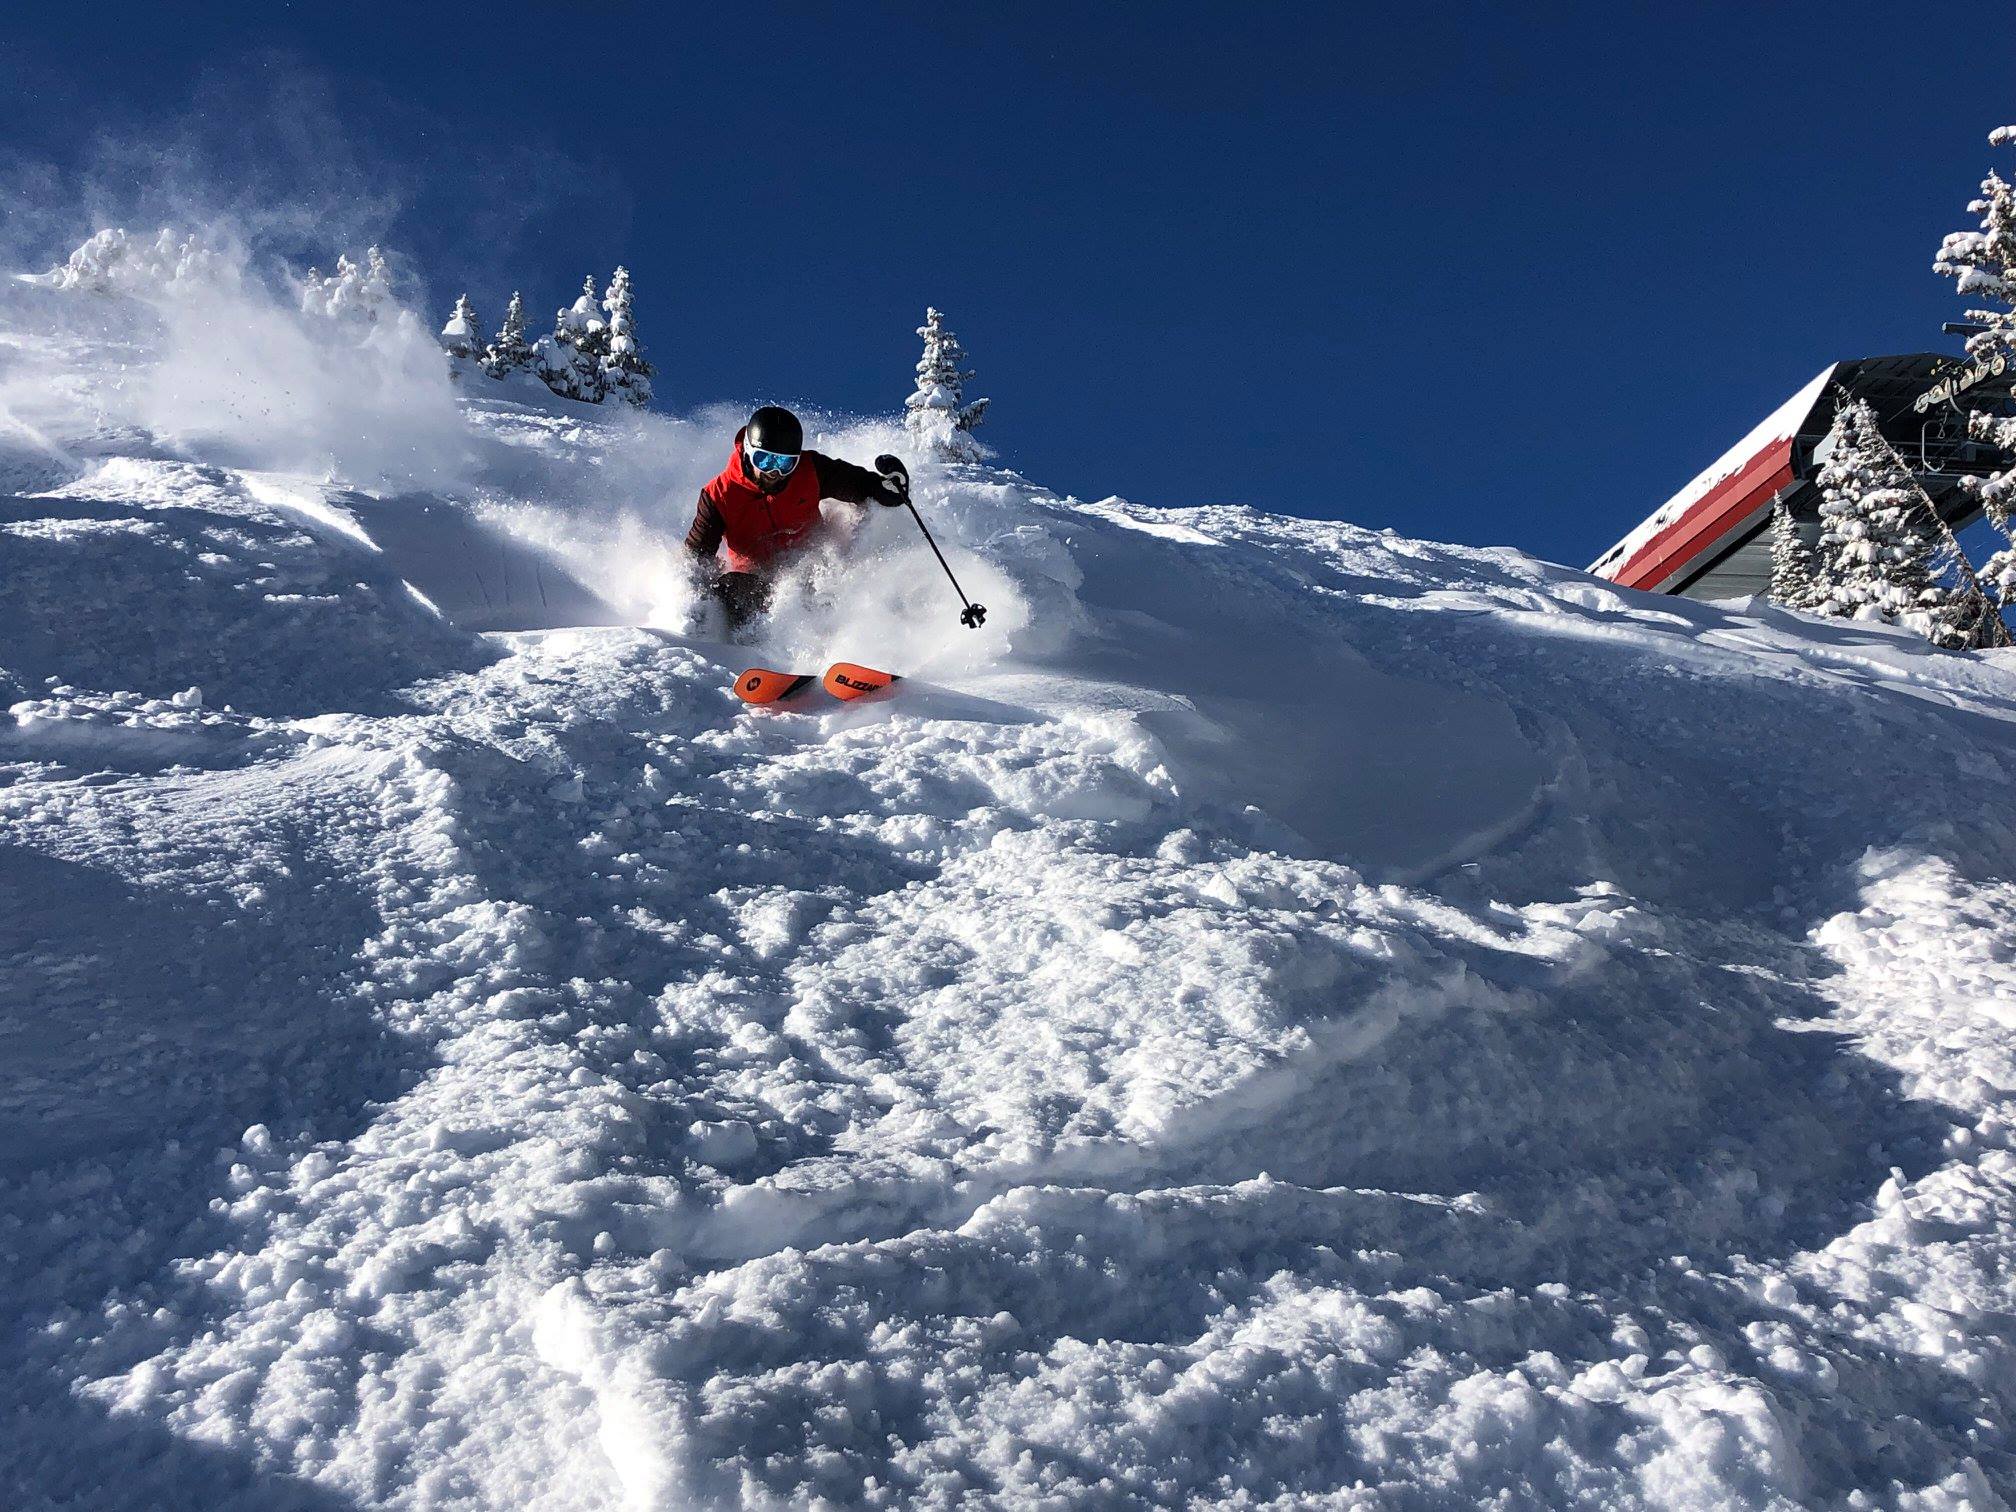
(779, 463)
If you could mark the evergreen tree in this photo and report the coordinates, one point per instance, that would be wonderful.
(1974, 616)
(462, 336)
(375, 292)
(555, 362)
(625, 370)
(1880, 544)
(1793, 581)
(1982, 262)
(1969, 617)
(112, 259)
(1982, 265)
(569, 361)
(510, 351)
(938, 413)
(358, 292)
(1998, 573)
(584, 322)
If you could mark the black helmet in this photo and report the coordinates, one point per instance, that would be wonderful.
(774, 429)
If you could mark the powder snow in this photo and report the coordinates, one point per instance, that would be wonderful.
(1285, 1015)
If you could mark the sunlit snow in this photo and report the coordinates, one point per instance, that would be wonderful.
(1285, 1015)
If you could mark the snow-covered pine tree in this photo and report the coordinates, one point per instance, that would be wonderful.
(625, 369)
(1998, 573)
(1879, 551)
(569, 361)
(1970, 617)
(1967, 616)
(1793, 580)
(590, 331)
(555, 362)
(358, 292)
(375, 290)
(510, 351)
(1983, 261)
(111, 259)
(938, 413)
(1982, 265)
(462, 336)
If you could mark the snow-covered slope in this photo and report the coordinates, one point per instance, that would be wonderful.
(1286, 1015)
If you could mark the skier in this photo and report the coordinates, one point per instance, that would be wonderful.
(765, 505)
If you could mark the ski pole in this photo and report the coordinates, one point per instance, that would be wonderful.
(973, 616)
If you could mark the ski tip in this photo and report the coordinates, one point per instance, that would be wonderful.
(852, 680)
(759, 685)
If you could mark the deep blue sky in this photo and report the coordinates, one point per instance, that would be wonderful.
(1495, 274)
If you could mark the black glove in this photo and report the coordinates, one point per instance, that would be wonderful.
(895, 490)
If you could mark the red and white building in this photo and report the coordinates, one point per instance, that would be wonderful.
(1711, 540)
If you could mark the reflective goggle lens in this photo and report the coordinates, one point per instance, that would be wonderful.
(772, 462)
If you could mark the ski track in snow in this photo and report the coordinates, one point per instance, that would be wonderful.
(1291, 1016)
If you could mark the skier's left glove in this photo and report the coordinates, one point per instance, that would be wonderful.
(895, 489)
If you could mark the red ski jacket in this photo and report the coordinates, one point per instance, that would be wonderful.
(754, 526)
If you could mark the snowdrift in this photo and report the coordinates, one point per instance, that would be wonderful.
(1285, 1015)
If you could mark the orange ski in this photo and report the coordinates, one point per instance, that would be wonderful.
(851, 680)
(759, 685)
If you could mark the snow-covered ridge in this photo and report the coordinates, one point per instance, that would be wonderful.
(1286, 1014)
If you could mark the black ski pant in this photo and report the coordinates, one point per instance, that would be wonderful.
(743, 595)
